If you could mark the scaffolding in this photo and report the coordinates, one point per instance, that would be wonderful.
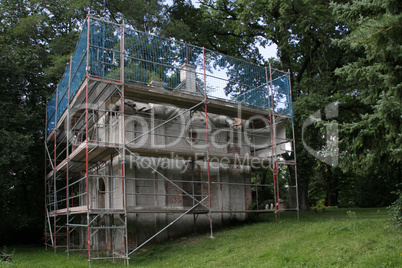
(129, 101)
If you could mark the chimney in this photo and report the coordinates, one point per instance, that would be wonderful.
(187, 75)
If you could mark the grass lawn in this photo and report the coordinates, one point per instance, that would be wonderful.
(337, 238)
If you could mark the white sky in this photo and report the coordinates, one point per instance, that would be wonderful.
(269, 51)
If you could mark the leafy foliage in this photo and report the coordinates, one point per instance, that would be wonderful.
(23, 90)
(372, 141)
(395, 210)
(6, 256)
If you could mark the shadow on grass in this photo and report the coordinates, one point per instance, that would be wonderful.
(253, 244)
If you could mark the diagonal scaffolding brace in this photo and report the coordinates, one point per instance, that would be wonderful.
(167, 226)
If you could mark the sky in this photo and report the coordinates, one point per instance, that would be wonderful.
(269, 51)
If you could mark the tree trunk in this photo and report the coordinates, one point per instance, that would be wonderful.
(303, 197)
(332, 190)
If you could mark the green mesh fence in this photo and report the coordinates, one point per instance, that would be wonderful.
(72, 77)
(104, 49)
(282, 98)
(174, 65)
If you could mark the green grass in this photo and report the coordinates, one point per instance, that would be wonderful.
(336, 238)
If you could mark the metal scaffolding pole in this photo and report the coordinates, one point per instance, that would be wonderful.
(208, 152)
(86, 144)
(123, 145)
(294, 152)
(68, 160)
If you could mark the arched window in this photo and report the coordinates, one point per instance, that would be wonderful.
(101, 192)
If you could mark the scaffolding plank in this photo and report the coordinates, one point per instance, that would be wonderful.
(144, 210)
(100, 152)
(165, 210)
(199, 154)
(83, 210)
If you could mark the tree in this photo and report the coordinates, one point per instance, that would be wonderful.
(372, 142)
(21, 120)
(146, 16)
(35, 43)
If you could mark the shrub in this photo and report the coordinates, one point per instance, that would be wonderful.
(395, 210)
(5, 256)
